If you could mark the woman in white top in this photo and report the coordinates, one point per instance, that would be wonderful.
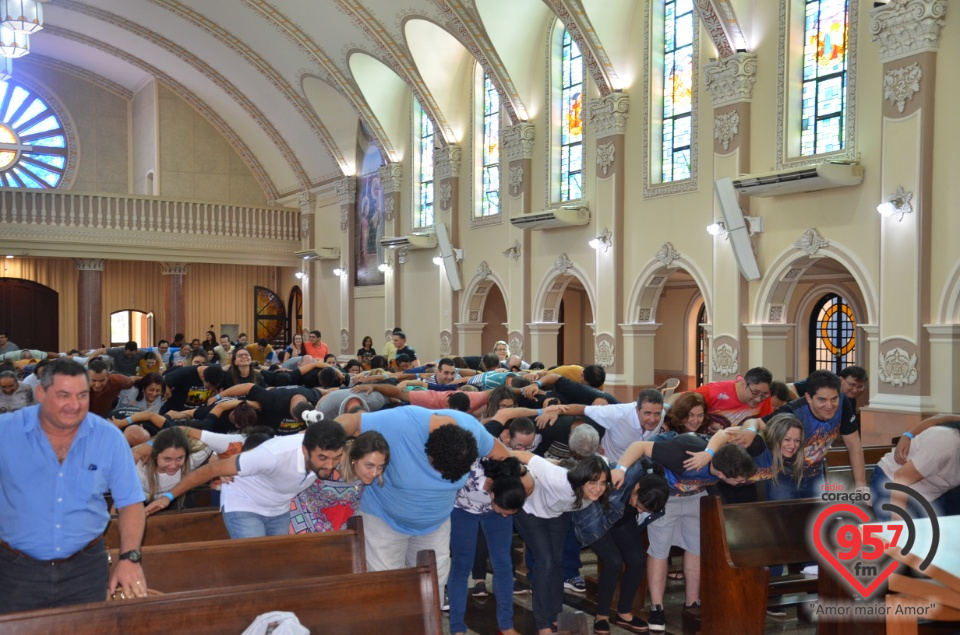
(172, 455)
(543, 523)
(146, 394)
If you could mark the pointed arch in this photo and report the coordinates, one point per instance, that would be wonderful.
(555, 282)
(948, 310)
(475, 294)
(643, 299)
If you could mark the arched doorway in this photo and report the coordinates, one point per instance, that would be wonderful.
(494, 315)
(294, 312)
(269, 317)
(42, 305)
(131, 325)
(575, 338)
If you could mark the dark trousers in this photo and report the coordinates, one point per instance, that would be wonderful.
(544, 538)
(618, 547)
(27, 584)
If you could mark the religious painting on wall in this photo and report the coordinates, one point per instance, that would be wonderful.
(369, 219)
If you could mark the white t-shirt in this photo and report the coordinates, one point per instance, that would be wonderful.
(218, 442)
(552, 494)
(270, 476)
(935, 453)
(623, 427)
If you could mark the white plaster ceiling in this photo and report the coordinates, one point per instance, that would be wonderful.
(287, 81)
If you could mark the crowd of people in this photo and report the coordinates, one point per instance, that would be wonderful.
(452, 455)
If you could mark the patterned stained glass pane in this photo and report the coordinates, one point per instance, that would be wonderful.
(424, 214)
(832, 334)
(33, 150)
(823, 108)
(678, 26)
(490, 202)
(571, 122)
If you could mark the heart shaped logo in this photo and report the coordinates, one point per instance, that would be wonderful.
(827, 551)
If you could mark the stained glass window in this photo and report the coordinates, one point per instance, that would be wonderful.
(490, 205)
(423, 217)
(33, 143)
(571, 121)
(824, 77)
(678, 26)
(833, 337)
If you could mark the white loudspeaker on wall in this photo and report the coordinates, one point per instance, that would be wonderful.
(451, 257)
(736, 229)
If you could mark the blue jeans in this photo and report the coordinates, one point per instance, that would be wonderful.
(545, 538)
(879, 495)
(571, 556)
(251, 525)
(27, 584)
(498, 532)
(783, 488)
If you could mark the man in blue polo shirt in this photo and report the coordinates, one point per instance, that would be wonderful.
(56, 463)
(431, 452)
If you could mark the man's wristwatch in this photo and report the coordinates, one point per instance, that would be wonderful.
(132, 556)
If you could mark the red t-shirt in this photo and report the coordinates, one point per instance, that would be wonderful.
(725, 407)
(101, 403)
(318, 352)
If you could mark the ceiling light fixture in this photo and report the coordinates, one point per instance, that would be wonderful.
(25, 16)
(897, 204)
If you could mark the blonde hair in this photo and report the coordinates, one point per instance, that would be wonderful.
(498, 343)
(774, 434)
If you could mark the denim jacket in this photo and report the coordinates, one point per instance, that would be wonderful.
(590, 524)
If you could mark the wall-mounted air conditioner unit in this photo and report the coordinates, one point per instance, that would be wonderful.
(320, 253)
(413, 241)
(563, 217)
(808, 178)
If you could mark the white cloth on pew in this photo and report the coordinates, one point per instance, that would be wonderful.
(286, 624)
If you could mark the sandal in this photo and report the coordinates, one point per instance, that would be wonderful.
(676, 575)
(601, 627)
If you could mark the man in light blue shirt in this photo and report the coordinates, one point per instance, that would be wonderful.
(431, 452)
(56, 463)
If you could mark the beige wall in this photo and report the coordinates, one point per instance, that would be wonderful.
(196, 162)
(144, 124)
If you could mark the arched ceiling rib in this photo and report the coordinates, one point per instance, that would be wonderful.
(238, 143)
(608, 27)
(575, 20)
(264, 68)
(339, 116)
(386, 93)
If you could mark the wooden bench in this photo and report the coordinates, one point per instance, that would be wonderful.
(222, 563)
(400, 601)
(738, 544)
(175, 527)
(836, 464)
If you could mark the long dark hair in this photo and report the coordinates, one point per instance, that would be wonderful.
(508, 490)
(147, 380)
(589, 469)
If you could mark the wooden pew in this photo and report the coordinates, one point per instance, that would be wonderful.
(737, 545)
(401, 601)
(175, 527)
(836, 464)
(222, 563)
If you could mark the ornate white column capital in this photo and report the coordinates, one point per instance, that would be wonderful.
(307, 202)
(89, 264)
(347, 190)
(391, 176)
(446, 162)
(730, 80)
(173, 268)
(609, 114)
(907, 27)
(517, 141)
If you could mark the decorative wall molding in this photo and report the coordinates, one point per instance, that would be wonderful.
(516, 179)
(666, 255)
(347, 190)
(483, 271)
(726, 360)
(391, 177)
(171, 268)
(726, 126)
(898, 367)
(901, 84)
(517, 141)
(344, 341)
(97, 264)
(446, 343)
(811, 242)
(714, 25)
(306, 202)
(645, 314)
(389, 208)
(604, 352)
(446, 162)
(730, 80)
(907, 27)
(609, 114)
(563, 264)
(776, 314)
(514, 251)
(606, 155)
(446, 194)
(515, 340)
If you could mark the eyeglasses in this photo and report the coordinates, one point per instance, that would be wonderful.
(853, 385)
(757, 394)
(522, 447)
(600, 484)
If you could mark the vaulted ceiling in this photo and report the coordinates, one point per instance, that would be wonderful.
(286, 81)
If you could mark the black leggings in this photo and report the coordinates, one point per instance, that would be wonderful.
(618, 547)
